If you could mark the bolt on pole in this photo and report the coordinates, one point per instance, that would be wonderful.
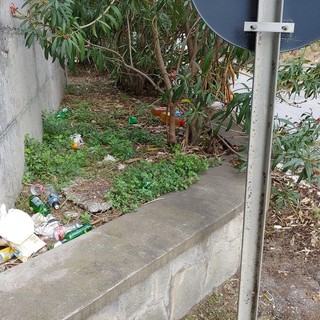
(259, 156)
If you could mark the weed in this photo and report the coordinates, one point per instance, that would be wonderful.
(85, 218)
(146, 181)
(284, 197)
(54, 161)
(121, 141)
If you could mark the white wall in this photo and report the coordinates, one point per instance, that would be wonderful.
(28, 85)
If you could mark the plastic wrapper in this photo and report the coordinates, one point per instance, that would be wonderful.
(45, 226)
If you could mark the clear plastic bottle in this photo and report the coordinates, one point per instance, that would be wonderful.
(60, 231)
(53, 196)
(37, 189)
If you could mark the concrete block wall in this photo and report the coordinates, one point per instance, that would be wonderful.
(172, 290)
(153, 264)
(28, 85)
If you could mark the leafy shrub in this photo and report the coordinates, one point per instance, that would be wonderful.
(296, 147)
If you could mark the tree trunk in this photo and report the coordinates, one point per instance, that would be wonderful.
(172, 126)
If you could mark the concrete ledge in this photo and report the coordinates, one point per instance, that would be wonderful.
(156, 263)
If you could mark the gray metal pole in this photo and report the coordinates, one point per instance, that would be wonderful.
(258, 171)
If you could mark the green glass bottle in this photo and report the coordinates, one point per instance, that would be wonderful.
(62, 113)
(38, 205)
(77, 232)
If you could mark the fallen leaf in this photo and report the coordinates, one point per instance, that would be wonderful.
(316, 298)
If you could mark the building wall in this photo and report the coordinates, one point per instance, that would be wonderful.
(28, 85)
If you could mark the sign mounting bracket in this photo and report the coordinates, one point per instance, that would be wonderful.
(282, 27)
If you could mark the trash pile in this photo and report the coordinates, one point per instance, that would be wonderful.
(23, 235)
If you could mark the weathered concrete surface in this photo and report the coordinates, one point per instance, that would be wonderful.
(28, 85)
(156, 263)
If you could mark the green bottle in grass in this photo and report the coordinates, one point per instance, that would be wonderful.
(38, 205)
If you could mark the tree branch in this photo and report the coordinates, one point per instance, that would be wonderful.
(101, 15)
(126, 65)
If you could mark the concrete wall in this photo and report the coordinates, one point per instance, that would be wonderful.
(172, 290)
(28, 85)
(153, 264)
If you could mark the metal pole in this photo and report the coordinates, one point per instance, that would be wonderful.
(258, 171)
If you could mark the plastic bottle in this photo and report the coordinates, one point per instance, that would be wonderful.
(60, 231)
(37, 189)
(6, 254)
(53, 197)
(156, 111)
(165, 118)
(38, 205)
(76, 141)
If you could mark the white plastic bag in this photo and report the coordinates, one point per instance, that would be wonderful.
(15, 225)
(17, 228)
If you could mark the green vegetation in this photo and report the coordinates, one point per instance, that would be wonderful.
(147, 181)
(296, 148)
(56, 162)
(165, 49)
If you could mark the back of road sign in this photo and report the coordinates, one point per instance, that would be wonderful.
(226, 18)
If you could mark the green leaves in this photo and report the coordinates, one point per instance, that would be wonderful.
(147, 181)
(296, 148)
(63, 27)
(296, 77)
(238, 111)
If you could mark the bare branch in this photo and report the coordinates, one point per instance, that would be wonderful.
(126, 65)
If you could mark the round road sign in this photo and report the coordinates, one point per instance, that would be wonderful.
(226, 18)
